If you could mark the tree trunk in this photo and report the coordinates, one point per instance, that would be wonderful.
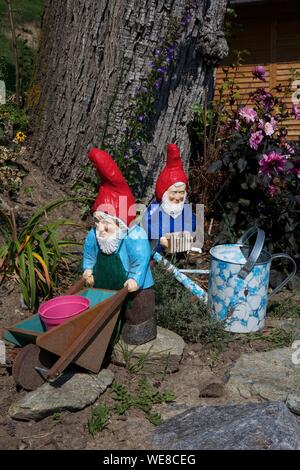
(93, 56)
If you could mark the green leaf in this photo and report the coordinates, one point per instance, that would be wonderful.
(215, 166)
(31, 273)
(242, 163)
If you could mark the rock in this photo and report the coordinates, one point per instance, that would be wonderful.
(163, 354)
(293, 403)
(211, 386)
(231, 427)
(76, 392)
(269, 375)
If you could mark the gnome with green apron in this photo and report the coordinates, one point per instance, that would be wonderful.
(117, 252)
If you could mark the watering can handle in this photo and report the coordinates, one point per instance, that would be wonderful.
(256, 251)
(289, 277)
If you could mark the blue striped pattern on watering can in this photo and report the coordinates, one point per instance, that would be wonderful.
(239, 282)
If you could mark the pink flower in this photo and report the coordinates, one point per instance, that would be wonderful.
(273, 122)
(295, 111)
(255, 139)
(261, 124)
(237, 125)
(273, 190)
(268, 128)
(249, 114)
(259, 72)
(288, 148)
(272, 162)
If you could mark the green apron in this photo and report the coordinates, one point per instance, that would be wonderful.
(109, 272)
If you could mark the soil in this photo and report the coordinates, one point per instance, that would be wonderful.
(129, 431)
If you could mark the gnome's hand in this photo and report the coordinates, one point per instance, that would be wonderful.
(88, 277)
(131, 285)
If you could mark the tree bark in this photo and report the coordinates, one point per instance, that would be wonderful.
(93, 55)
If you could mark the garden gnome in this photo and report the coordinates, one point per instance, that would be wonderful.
(168, 213)
(117, 255)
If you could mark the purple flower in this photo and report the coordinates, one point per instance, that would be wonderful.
(152, 65)
(186, 19)
(249, 114)
(157, 83)
(272, 162)
(259, 72)
(236, 125)
(161, 70)
(273, 122)
(255, 139)
(295, 111)
(289, 148)
(268, 128)
(298, 200)
(263, 98)
(261, 124)
(273, 190)
(141, 118)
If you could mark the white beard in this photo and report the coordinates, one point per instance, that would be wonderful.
(110, 245)
(174, 210)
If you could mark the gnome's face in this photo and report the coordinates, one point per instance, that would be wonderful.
(106, 227)
(173, 199)
(108, 232)
(177, 193)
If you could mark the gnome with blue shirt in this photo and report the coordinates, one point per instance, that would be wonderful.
(169, 213)
(117, 252)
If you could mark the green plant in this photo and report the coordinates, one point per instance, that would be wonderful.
(12, 120)
(275, 337)
(144, 399)
(34, 252)
(132, 364)
(99, 419)
(285, 309)
(28, 190)
(178, 311)
(56, 416)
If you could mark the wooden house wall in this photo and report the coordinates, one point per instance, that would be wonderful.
(270, 32)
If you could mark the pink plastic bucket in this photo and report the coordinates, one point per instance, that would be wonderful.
(58, 310)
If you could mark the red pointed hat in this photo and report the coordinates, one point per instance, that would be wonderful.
(172, 173)
(114, 197)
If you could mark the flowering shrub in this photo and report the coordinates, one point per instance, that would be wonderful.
(262, 185)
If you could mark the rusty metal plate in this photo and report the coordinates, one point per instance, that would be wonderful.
(23, 370)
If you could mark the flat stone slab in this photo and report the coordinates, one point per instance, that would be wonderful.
(164, 353)
(231, 427)
(267, 375)
(71, 392)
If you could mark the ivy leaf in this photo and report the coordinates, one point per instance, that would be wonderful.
(242, 163)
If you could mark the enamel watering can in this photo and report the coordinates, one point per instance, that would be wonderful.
(239, 282)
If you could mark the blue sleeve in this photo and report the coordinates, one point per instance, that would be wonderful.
(139, 253)
(194, 224)
(90, 250)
